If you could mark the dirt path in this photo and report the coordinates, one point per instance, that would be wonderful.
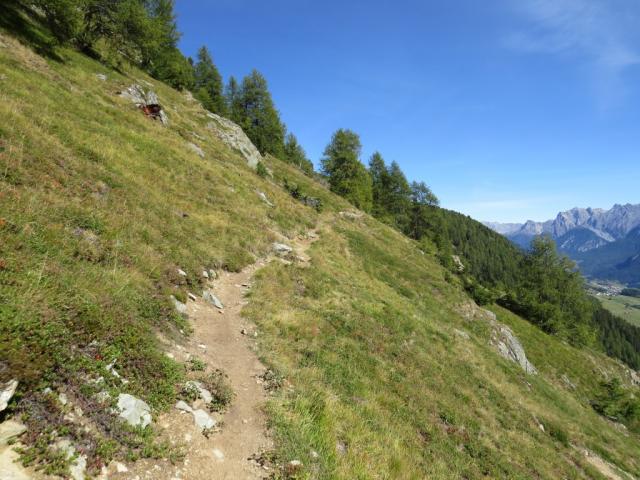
(222, 339)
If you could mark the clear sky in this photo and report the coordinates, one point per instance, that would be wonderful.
(509, 109)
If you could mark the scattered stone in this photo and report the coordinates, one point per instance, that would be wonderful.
(204, 394)
(281, 248)
(6, 393)
(351, 214)
(103, 396)
(205, 274)
(293, 467)
(101, 76)
(182, 273)
(180, 307)
(208, 296)
(202, 346)
(568, 382)
(244, 331)
(203, 420)
(218, 454)
(196, 149)
(121, 468)
(135, 411)
(213, 274)
(62, 397)
(192, 296)
(183, 406)
(78, 467)
(341, 447)
(234, 137)
(264, 198)
(9, 430)
(315, 455)
(170, 355)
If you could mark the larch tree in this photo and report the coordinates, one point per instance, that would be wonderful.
(347, 176)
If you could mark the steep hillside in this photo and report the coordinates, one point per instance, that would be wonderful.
(380, 366)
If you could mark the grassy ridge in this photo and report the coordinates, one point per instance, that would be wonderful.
(99, 208)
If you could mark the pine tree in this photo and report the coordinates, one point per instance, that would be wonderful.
(347, 176)
(233, 100)
(398, 197)
(295, 154)
(380, 185)
(258, 117)
(208, 83)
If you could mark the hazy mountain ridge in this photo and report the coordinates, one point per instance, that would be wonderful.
(605, 243)
(609, 225)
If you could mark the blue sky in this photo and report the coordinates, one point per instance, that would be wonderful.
(509, 109)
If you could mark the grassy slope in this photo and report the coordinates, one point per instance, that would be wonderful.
(365, 337)
(624, 307)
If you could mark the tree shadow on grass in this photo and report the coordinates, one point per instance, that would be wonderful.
(22, 22)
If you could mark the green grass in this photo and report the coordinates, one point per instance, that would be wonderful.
(624, 307)
(367, 369)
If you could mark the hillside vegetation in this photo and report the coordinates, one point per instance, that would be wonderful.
(386, 365)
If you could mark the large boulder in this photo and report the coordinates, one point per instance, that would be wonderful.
(234, 137)
(133, 410)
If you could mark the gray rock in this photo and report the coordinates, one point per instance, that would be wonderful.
(183, 406)
(351, 214)
(510, 347)
(281, 248)
(182, 273)
(264, 198)
(180, 307)
(6, 393)
(192, 296)
(205, 274)
(232, 135)
(196, 149)
(208, 296)
(203, 420)
(101, 76)
(135, 411)
(78, 467)
(204, 394)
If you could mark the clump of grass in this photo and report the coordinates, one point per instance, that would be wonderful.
(217, 382)
(197, 365)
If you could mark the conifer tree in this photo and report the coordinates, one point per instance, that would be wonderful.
(380, 185)
(208, 83)
(233, 100)
(258, 117)
(347, 176)
(295, 154)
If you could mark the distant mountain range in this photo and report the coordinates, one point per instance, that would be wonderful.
(604, 243)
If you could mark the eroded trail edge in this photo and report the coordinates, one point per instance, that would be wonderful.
(222, 339)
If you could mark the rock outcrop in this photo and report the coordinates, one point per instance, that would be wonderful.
(234, 137)
(510, 347)
(147, 101)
